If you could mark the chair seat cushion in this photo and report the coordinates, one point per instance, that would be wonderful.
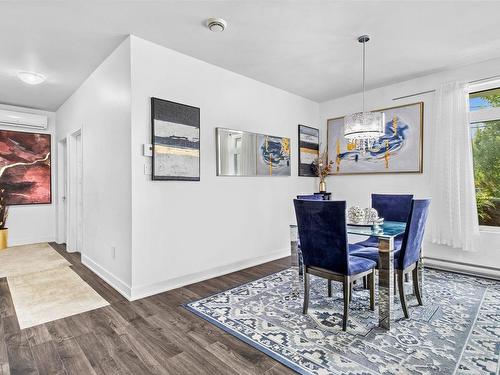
(359, 264)
(372, 254)
(355, 247)
(373, 242)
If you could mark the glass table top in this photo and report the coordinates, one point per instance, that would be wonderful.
(387, 230)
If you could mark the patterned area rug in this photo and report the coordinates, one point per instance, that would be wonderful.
(457, 331)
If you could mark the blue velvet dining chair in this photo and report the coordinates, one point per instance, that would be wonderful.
(351, 247)
(406, 258)
(391, 207)
(325, 251)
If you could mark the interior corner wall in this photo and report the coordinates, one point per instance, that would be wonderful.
(35, 222)
(356, 189)
(189, 231)
(101, 109)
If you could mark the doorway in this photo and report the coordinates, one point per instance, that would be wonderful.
(70, 228)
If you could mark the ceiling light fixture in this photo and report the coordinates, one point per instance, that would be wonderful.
(31, 78)
(217, 25)
(363, 129)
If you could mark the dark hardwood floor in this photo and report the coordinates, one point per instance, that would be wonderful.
(154, 335)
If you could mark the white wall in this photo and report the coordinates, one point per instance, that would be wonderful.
(101, 108)
(187, 231)
(357, 189)
(34, 223)
(171, 233)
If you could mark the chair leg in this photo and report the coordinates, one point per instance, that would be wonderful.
(364, 282)
(416, 285)
(347, 289)
(407, 278)
(350, 292)
(306, 292)
(402, 297)
(371, 286)
(329, 288)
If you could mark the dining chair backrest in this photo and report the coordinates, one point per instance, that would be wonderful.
(310, 197)
(392, 207)
(414, 233)
(324, 196)
(323, 234)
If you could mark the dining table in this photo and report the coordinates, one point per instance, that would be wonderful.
(386, 234)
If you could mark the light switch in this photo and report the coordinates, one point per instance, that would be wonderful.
(147, 149)
(147, 168)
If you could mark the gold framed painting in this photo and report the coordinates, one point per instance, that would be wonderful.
(400, 150)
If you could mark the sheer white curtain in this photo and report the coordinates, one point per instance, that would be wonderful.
(454, 219)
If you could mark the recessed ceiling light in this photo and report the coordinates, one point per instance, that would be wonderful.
(217, 25)
(31, 78)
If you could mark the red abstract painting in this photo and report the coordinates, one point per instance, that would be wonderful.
(25, 172)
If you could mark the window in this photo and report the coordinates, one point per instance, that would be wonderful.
(485, 138)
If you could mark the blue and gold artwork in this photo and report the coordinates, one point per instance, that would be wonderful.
(273, 156)
(398, 151)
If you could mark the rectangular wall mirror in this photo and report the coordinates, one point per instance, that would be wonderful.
(241, 153)
(236, 153)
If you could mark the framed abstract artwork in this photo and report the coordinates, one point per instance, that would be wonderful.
(273, 156)
(25, 167)
(175, 140)
(308, 149)
(398, 151)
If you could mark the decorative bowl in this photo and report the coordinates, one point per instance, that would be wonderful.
(356, 215)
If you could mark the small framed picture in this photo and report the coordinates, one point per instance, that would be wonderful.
(308, 150)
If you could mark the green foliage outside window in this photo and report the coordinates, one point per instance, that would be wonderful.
(486, 153)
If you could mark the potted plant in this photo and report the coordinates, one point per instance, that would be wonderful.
(4, 212)
(322, 168)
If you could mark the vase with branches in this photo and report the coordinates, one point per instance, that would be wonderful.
(322, 168)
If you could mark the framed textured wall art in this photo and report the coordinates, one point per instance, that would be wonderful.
(398, 151)
(175, 140)
(308, 149)
(273, 156)
(25, 167)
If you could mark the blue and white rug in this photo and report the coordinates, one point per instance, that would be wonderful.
(457, 331)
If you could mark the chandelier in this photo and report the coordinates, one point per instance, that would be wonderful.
(363, 128)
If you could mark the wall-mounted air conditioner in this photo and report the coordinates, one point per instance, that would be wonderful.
(23, 119)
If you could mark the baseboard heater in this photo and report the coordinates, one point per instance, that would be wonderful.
(465, 268)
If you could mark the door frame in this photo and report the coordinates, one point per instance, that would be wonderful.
(72, 198)
(62, 190)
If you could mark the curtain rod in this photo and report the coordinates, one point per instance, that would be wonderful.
(434, 90)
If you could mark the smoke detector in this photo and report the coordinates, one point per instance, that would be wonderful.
(217, 25)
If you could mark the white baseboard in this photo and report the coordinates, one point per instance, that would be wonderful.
(14, 241)
(465, 268)
(143, 291)
(117, 284)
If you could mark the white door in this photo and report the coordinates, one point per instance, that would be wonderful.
(74, 200)
(79, 193)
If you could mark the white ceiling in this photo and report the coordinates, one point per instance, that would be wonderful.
(306, 47)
